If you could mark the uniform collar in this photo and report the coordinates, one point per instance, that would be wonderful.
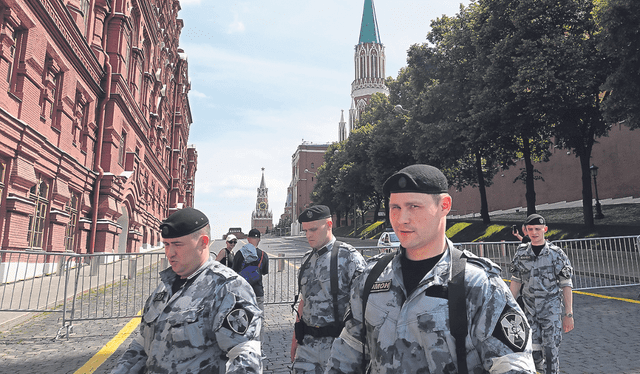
(327, 247)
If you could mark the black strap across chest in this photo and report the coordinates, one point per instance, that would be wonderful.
(456, 298)
(333, 273)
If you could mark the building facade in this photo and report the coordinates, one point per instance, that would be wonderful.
(262, 217)
(304, 166)
(94, 124)
(370, 62)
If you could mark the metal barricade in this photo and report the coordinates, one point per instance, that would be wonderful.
(597, 262)
(79, 286)
(105, 286)
(281, 284)
(108, 286)
(32, 281)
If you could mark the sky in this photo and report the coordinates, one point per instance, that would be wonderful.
(268, 75)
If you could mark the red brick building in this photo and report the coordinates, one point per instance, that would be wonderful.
(94, 124)
(304, 166)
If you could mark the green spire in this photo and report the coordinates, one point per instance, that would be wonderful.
(369, 28)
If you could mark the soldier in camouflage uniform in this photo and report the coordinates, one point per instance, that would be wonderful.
(406, 323)
(202, 318)
(316, 325)
(542, 272)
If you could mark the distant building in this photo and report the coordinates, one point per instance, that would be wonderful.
(94, 124)
(304, 166)
(370, 63)
(236, 231)
(262, 217)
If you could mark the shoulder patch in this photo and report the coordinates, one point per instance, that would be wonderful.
(238, 320)
(512, 329)
(567, 272)
(160, 296)
(381, 286)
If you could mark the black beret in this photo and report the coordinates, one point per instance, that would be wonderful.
(183, 222)
(314, 213)
(416, 178)
(254, 233)
(534, 219)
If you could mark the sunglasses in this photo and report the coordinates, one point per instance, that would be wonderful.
(233, 241)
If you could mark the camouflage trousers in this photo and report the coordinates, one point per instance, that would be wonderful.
(312, 356)
(546, 335)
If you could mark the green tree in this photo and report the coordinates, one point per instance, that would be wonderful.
(446, 133)
(543, 77)
(619, 32)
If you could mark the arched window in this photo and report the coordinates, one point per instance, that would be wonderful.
(374, 61)
(39, 194)
(69, 234)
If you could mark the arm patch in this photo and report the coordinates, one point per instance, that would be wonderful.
(238, 320)
(512, 329)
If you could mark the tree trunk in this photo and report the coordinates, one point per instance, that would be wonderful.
(484, 205)
(587, 195)
(530, 193)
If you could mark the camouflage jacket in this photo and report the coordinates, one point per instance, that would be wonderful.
(542, 276)
(315, 282)
(411, 333)
(211, 325)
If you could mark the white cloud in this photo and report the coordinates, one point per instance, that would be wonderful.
(236, 26)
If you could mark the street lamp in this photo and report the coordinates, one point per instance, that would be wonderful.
(594, 173)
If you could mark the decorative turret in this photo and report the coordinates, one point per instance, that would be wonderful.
(369, 59)
(342, 128)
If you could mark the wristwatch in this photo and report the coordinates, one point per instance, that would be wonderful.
(570, 315)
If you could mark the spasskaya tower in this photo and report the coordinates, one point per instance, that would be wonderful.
(262, 217)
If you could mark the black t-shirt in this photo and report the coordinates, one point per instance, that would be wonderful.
(537, 249)
(414, 271)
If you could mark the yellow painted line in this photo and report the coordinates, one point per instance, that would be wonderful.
(103, 354)
(600, 296)
(607, 297)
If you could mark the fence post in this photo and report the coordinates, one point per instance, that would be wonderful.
(133, 267)
(280, 262)
(94, 262)
(503, 248)
(481, 250)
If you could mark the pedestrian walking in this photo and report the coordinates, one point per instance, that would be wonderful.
(202, 318)
(324, 282)
(225, 256)
(430, 307)
(542, 272)
(252, 263)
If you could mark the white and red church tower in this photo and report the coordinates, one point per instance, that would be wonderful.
(369, 60)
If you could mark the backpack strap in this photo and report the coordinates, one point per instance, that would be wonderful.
(458, 307)
(368, 283)
(333, 270)
(260, 262)
(295, 299)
